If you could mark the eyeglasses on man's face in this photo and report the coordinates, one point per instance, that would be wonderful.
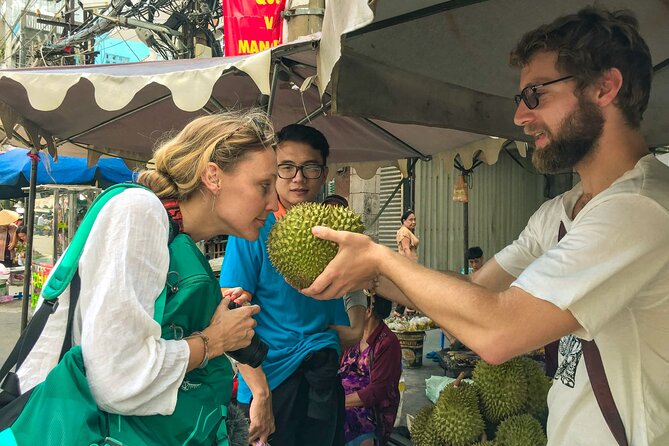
(530, 96)
(310, 171)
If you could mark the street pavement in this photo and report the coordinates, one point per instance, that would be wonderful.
(414, 395)
(10, 327)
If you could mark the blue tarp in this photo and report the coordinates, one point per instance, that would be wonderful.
(15, 171)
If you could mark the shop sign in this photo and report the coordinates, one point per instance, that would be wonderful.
(251, 26)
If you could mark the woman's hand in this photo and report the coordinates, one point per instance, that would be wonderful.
(236, 295)
(230, 330)
(261, 419)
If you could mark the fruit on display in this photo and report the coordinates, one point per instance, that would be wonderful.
(422, 430)
(502, 388)
(538, 385)
(295, 252)
(505, 406)
(416, 323)
(456, 416)
(520, 430)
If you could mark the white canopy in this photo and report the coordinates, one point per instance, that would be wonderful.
(125, 108)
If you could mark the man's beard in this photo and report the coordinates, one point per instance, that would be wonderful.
(575, 139)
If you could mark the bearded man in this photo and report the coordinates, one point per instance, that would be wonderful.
(591, 269)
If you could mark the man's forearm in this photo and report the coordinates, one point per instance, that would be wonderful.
(433, 293)
(389, 290)
(497, 325)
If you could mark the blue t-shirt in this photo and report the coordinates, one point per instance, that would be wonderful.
(292, 324)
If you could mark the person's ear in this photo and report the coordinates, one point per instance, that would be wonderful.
(211, 178)
(608, 87)
(324, 177)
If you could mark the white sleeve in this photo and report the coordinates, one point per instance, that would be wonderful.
(130, 369)
(605, 263)
(537, 237)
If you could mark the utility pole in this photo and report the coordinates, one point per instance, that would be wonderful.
(409, 191)
(4, 34)
(7, 36)
(22, 42)
(188, 34)
(89, 46)
(69, 18)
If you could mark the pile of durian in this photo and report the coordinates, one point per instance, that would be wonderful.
(505, 406)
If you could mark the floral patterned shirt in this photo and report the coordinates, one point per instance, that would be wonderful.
(377, 386)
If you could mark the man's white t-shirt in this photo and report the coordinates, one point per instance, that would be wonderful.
(611, 271)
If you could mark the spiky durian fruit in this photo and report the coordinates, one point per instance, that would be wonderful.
(295, 252)
(422, 430)
(457, 418)
(502, 388)
(538, 385)
(486, 443)
(520, 430)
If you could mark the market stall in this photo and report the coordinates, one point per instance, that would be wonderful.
(60, 209)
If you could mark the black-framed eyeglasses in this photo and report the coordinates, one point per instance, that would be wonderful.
(530, 96)
(311, 171)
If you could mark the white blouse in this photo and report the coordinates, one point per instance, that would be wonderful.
(130, 369)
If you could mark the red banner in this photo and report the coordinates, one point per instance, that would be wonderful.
(250, 26)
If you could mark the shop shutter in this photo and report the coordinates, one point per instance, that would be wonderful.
(389, 221)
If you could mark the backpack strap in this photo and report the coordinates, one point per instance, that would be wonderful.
(602, 390)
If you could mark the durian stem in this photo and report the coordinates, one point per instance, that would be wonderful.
(456, 383)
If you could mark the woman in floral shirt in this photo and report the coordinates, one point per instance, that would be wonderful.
(370, 373)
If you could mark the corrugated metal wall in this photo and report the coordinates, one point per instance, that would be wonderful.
(501, 200)
(389, 221)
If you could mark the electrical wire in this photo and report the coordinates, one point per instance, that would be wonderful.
(198, 13)
(21, 15)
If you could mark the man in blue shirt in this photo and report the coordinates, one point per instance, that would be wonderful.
(296, 393)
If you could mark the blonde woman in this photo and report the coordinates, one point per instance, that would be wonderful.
(216, 176)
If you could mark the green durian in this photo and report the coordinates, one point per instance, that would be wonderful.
(502, 388)
(422, 430)
(520, 430)
(486, 443)
(538, 385)
(457, 418)
(295, 252)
